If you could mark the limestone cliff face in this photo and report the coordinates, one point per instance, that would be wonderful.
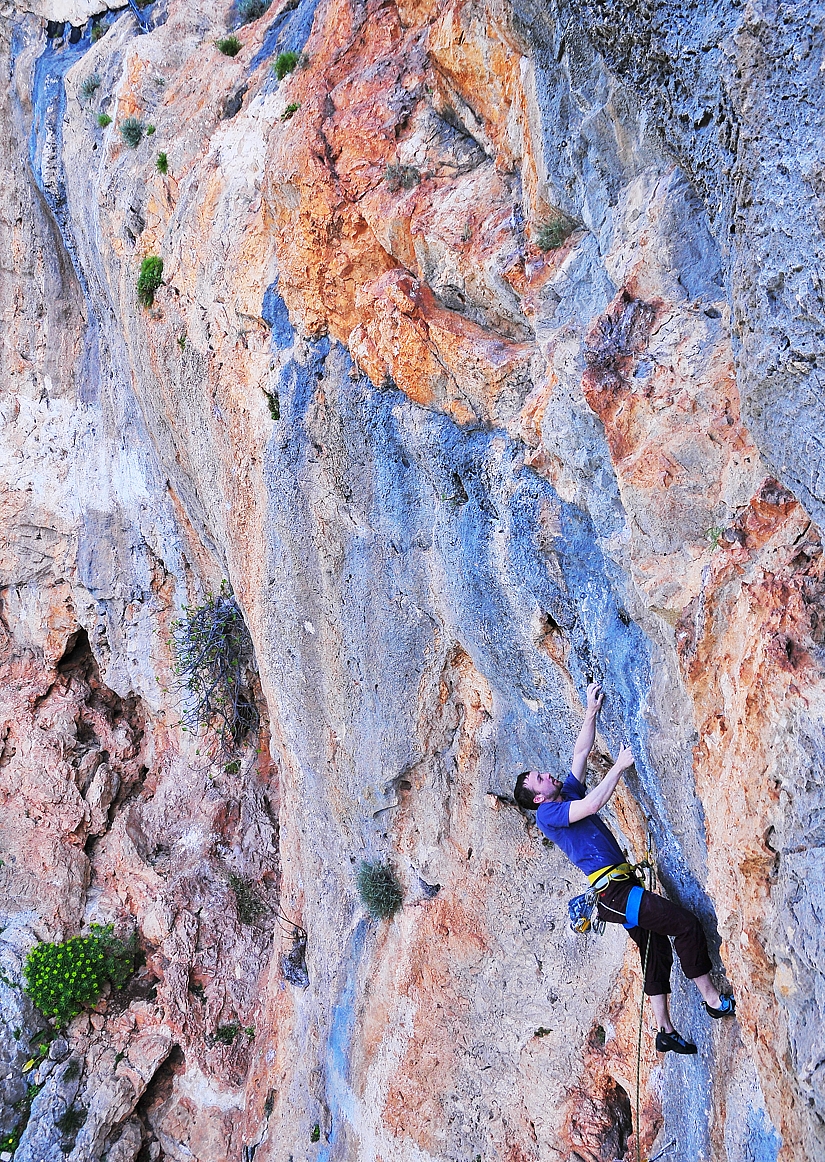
(451, 476)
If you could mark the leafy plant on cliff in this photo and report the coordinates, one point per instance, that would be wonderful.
(131, 130)
(290, 111)
(149, 279)
(162, 163)
(285, 63)
(103, 119)
(213, 652)
(98, 31)
(62, 978)
(379, 889)
(250, 10)
(551, 235)
(228, 45)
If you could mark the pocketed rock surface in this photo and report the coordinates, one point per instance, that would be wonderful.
(451, 476)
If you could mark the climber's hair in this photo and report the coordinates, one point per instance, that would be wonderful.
(522, 795)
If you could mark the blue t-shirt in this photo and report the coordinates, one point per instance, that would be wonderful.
(588, 843)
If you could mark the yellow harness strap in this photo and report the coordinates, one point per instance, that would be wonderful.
(600, 879)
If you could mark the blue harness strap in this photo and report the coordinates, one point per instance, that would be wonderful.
(631, 912)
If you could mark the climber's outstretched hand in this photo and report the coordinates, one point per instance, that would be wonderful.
(595, 697)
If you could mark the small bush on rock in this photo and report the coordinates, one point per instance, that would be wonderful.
(226, 1034)
(213, 650)
(379, 889)
(290, 111)
(149, 279)
(284, 64)
(250, 10)
(401, 177)
(62, 978)
(103, 119)
(162, 164)
(228, 45)
(131, 130)
(99, 30)
(90, 86)
(551, 235)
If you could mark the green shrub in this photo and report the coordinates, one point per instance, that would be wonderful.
(162, 163)
(71, 1120)
(103, 119)
(226, 1034)
(131, 130)
(247, 901)
(150, 129)
(379, 889)
(273, 402)
(99, 30)
(149, 279)
(551, 235)
(401, 177)
(90, 86)
(315, 1136)
(228, 45)
(213, 650)
(285, 63)
(290, 111)
(250, 10)
(62, 978)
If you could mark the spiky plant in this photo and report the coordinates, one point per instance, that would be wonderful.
(213, 652)
(553, 234)
(162, 163)
(90, 86)
(401, 177)
(250, 10)
(131, 130)
(149, 279)
(379, 889)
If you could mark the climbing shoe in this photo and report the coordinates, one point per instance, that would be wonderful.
(673, 1043)
(726, 1009)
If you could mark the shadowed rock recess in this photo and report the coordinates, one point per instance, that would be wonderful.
(484, 364)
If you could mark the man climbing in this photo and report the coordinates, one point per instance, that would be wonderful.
(567, 813)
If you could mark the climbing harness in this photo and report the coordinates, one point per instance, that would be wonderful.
(583, 909)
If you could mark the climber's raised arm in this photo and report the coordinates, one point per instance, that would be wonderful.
(587, 734)
(594, 800)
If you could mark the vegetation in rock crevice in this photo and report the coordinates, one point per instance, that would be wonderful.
(90, 86)
(285, 63)
(149, 279)
(162, 163)
(401, 177)
(379, 889)
(62, 978)
(213, 651)
(131, 130)
(228, 45)
(553, 234)
(250, 10)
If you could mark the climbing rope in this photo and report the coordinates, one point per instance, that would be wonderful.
(648, 863)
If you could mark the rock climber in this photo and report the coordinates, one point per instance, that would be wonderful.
(567, 813)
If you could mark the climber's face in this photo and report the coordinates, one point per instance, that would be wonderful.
(545, 787)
